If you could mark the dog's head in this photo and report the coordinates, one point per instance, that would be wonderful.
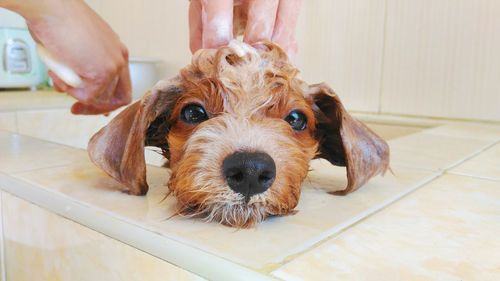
(239, 129)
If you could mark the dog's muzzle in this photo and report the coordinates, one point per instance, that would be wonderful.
(249, 173)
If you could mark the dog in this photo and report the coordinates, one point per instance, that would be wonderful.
(239, 129)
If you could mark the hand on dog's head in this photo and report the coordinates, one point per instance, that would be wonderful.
(239, 130)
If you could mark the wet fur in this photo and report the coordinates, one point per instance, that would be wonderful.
(247, 94)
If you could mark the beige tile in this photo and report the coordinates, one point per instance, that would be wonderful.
(154, 157)
(26, 100)
(8, 121)
(60, 126)
(144, 22)
(388, 132)
(40, 245)
(485, 165)
(441, 58)
(480, 131)
(319, 213)
(2, 252)
(19, 153)
(432, 151)
(344, 50)
(447, 230)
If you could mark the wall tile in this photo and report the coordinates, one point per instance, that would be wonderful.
(441, 58)
(152, 29)
(341, 43)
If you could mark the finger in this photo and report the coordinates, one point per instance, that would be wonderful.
(217, 20)
(195, 26)
(240, 12)
(100, 91)
(79, 108)
(123, 90)
(59, 84)
(261, 20)
(286, 22)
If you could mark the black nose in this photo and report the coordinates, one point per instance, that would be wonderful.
(249, 173)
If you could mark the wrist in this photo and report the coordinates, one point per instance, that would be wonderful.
(32, 9)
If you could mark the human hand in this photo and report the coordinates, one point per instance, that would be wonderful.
(77, 37)
(213, 23)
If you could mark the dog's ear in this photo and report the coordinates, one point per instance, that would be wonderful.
(345, 141)
(118, 148)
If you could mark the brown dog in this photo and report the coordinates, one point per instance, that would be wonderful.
(239, 129)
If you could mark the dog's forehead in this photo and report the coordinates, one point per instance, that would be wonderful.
(250, 77)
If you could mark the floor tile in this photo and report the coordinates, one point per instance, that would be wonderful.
(388, 132)
(485, 165)
(434, 152)
(319, 213)
(19, 153)
(43, 246)
(60, 126)
(468, 130)
(447, 230)
(2, 252)
(25, 100)
(8, 121)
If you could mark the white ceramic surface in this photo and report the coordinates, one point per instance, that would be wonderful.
(143, 74)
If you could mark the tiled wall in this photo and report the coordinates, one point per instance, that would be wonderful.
(73, 252)
(442, 58)
(410, 57)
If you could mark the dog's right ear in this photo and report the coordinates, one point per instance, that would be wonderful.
(118, 148)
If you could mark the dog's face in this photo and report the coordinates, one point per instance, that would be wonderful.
(239, 130)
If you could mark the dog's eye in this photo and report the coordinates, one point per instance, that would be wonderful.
(193, 114)
(297, 120)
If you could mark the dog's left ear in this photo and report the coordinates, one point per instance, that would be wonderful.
(118, 148)
(345, 141)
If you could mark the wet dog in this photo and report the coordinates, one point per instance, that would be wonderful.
(239, 129)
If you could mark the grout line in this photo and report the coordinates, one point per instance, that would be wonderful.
(19, 173)
(385, 205)
(484, 149)
(382, 61)
(369, 213)
(473, 176)
(467, 158)
(438, 120)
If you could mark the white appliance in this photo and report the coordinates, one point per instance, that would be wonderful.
(20, 66)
